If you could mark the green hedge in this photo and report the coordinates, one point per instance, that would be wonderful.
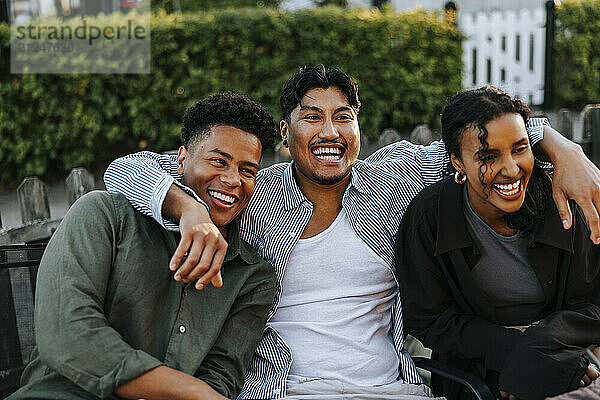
(187, 6)
(407, 64)
(577, 54)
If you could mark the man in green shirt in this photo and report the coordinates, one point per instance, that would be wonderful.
(110, 320)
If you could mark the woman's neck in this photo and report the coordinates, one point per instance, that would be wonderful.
(491, 215)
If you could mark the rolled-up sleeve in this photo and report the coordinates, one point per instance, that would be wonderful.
(72, 333)
(535, 129)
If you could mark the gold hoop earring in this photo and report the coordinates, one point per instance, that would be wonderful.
(460, 178)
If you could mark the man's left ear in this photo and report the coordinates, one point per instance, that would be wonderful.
(182, 155)
(283, 129)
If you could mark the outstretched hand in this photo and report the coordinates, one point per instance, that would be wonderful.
(577, 178)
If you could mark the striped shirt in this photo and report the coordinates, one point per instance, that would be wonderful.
(380, 189)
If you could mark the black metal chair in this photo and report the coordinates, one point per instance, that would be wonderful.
(474, 384)
(18, 273)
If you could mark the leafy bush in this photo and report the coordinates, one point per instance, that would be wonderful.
(188, 6)
(577, 54)
(407, 65)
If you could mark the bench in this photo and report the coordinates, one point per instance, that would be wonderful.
(18, 273)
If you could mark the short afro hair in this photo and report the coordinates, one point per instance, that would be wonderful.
(228, 109)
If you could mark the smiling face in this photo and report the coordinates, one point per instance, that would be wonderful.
(323, 136)
(221, 168)
(508, 167)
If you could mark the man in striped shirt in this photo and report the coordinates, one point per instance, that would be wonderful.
(326, 223)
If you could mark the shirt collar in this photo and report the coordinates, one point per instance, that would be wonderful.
(452, 231)
(292, 195)
(551, 231)
(236, 248)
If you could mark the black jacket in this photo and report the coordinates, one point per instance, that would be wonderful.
(444, 308)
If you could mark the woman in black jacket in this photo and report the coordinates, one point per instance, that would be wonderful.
(489, 278)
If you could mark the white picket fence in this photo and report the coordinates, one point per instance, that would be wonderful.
(506, 49)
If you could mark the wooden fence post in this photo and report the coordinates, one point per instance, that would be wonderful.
(421, 135)
(591, 130)
(564, 123)
(33, 199)
(79, 182)
(388, 136)
(365, 147)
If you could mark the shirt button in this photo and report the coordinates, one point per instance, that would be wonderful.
(292, 234)
(181, 329)
(533, 245)
(277, 391)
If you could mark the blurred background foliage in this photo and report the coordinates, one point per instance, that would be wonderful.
(191, 6)
(406, 64)
(577, 54)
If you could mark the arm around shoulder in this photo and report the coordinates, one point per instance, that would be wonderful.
(575, 177)
(144, 178)
(403, 158)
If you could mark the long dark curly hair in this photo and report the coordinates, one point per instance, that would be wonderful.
(473, 109)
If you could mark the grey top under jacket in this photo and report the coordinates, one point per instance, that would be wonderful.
(503, 273)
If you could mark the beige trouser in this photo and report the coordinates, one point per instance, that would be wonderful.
(590, 392)
(325, 389)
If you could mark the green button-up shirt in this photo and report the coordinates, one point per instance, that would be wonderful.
(108, 309)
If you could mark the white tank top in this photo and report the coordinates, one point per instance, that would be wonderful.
(335, 309)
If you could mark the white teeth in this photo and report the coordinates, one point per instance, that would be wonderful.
(326, 150)
(327, 153)
(327, 158)
(222, 196)
(509, 189)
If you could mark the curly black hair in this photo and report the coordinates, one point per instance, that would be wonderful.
(228, 109)
(309, 78)
(473, 109)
